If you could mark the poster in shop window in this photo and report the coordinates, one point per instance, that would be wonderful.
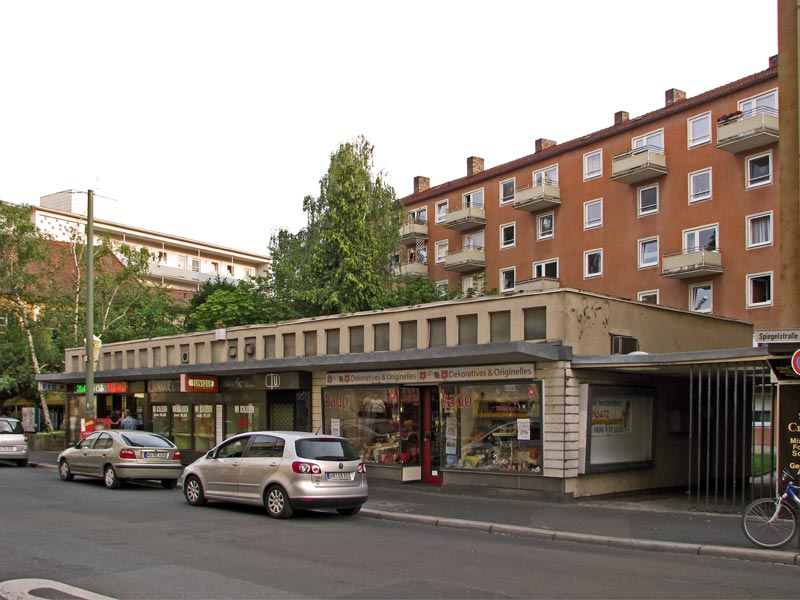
(611, 416)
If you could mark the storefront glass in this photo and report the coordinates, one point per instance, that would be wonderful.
(245, 414)
(204, 438)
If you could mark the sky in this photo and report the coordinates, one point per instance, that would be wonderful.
(213, 120)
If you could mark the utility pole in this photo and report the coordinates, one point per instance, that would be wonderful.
(90, 306)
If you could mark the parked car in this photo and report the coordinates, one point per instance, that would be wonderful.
(13, 441)
(118, 455)
(283, 470)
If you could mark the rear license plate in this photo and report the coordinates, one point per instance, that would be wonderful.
(8, 448)
(339, 476)
(155, 454)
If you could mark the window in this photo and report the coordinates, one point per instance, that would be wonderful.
(548, 176)
(183, 262)
(648, 253)
(546, 268)
(419, 215)
(545, 226)
(248, 272)
(649, 297)
(759, 230)
(500, 326)
(289, 345)
(472, 285)
(473, 240)
(593, 214)
(702, 238)
(699, 130)
(310, 343)
(700, 297)
(356, 339)
(408, 335)
(380, 333)
(699, 185)
(507, 279)
(592, 263)
(648, 199)
(230, 270)
(215, 267)
(473, 199)
(437, 332)
(332, 341)
(507, 189)
(535, 323)
(443, 287)
(441, 211)
(467, 330)
(759, 290)
(196, 265)
(758, 170)
(507, 235)
(592, 165)
(653, 140)
(767, 102)
(441, 251)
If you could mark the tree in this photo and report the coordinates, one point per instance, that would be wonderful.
(418, 290)
(231, 305)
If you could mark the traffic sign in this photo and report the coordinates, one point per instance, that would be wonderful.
(796, 362)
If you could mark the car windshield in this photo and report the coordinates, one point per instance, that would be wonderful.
(10, 427)
(146, 440)
(326, 449)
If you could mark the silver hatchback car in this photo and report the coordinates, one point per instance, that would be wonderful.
(117, 455)
(283, 470)
(13, 441)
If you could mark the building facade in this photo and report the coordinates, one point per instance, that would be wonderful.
(678, 207)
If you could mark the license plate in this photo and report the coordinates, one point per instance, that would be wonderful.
(339, 476)
(155, 454)
(8, 448)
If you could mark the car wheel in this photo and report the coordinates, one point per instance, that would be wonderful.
(110, 478)
(64, 472)
(169, 484)
(22, 463)
(349, 512)
(277, 503)
(193, 490)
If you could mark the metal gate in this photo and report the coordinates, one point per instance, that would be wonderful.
(732, 457)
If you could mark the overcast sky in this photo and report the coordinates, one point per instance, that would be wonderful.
(213, 120)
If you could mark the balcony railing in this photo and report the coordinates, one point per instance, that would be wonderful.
(179, 274)
(466, 217)
(413, 230)
(537, 284)
(692, 262)
(739, 132)
(639, 164)
(535, 197)
(411, 269)
(469, 258)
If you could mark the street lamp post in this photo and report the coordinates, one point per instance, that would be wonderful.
(90, 343)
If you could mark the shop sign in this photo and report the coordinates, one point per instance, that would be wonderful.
(120, 387)
(777, 336)
(199, 383)
(261, 381)
(433, 376)
(163, 385)
(52, 387)
(789, 434)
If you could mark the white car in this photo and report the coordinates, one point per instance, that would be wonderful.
(282, 470)
(13, 441)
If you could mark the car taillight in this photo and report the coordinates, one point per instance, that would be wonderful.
(306, 468)
(127, 453)
(362, 468)
(25, 437)
(177, 455)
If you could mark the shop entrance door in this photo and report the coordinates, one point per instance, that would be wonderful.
(432, 436)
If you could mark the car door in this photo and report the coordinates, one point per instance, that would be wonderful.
(262, 459)
(77, 458)
(98, 454)
(222, 469)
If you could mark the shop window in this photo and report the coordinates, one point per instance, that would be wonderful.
(204, 437)
(437, 333)
(620, 426)
(536, 323)
(467, 330)
(500, 325)
(381, 333)
(357, 339)
(269, 346)
(289, 345)
(331, 341)
(309, 343)
(408, 335)
(245, 414)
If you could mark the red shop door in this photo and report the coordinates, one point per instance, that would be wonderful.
(432, 436)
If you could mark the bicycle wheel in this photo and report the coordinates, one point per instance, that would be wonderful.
(758, 529)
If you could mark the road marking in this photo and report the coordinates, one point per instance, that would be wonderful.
(30, 589)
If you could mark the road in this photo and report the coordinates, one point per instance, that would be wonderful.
(146, 542)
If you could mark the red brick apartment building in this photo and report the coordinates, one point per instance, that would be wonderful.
(678, 207)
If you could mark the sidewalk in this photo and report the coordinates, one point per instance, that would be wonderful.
(646, 522)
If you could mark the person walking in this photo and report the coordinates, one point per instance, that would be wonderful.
(129, 421)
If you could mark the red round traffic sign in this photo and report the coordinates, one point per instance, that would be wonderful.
(796, 362)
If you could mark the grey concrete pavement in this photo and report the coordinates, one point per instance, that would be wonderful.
(654, 522)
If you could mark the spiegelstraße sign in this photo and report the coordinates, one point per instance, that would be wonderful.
(432, 376)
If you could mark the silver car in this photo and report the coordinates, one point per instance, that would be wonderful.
(13, 441)
(118, 455)
(283, 470)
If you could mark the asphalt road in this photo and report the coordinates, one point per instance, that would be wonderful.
(146, 542)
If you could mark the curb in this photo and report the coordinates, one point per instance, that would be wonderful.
(771, 556)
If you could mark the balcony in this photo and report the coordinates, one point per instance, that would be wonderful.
(739, 132)
(639, 164)
(412, 231)
(176, 274)
(538, 284)
(466, 217)
(697, 262)
(411, 269)
(470, 258)
(534, 198)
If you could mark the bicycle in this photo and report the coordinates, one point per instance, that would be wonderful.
(772, 522)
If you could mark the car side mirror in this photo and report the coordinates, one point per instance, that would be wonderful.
(210, 454)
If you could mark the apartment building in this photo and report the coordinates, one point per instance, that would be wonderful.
(181, 264)
(678, 207)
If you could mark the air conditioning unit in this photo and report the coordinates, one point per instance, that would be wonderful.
(624, 344)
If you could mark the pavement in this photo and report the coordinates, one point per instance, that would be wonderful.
(660, 522)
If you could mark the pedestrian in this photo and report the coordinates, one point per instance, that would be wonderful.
(115, 420)
(129, 421)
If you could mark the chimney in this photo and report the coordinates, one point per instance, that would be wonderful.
(620, 117)
(474, 165)
(673, 96)
(773, 61)
(421, 184)
(543, 144)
